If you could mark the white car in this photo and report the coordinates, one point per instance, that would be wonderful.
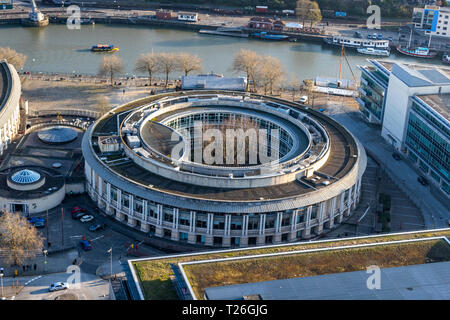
(87, 218)
(303, 99)
(58, 286)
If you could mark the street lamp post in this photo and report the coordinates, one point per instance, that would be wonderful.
(111, 256)
(1, 279)
(45, 259)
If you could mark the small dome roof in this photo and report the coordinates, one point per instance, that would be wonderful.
(57, 135)
(25, 176)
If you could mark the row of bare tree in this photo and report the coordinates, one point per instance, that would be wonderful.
(154, 63)
(261, 71)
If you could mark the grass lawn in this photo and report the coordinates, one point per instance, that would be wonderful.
(154, 275)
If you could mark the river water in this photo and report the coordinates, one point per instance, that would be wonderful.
(58, 49)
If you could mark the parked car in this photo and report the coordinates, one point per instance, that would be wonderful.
(85, 245)
(39, 224)
(86, 218)
(303, 99)
(96, 227)
(358, 34)
(390, 39)
(78, 209)
(396, 156)
(33, 220)
(78, 215)
(380, 36)
(422, 180)
(58, 286)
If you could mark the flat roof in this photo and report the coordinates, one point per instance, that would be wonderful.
(339, 164)
(429, 281)
(439, 102)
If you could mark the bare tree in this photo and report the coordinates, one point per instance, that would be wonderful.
(271, 72)
(314, 14)
(148, 63)
(19, 240)
(188, 63)
(103, 105)
(167, 63)
(294, 86)
(308, 86)
(302, 10)
(111, 65)
(13, 57)
(247, 61)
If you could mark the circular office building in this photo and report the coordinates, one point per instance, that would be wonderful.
(57, 135)
(221, 168)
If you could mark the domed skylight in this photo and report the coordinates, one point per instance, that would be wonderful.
(25, 176)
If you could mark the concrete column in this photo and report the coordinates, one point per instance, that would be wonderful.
(355, 195)
(108, 193)
(145, 227)
(119, 215)
(94, 182)
(100, 191)
(119, 198)
(159, 213)
(294, 219)
(176, 215)
(209, 224)
(244, 241)
(341, 207)
(192, 238)
(227, 228)
(262, 223)
(332, 210)
(145, 210)
(293, 232)
(245, 225)
(131, 204)
(349, 201)
(131, 222)
(209, 238)
(308, 216)
(306, 234)
(277, 236)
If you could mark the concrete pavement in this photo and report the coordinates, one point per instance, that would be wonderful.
(435, 214)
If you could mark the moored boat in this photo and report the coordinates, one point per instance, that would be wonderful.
(420, 52)
(357, 42)
(104, 48)
(267, 36)
(374, 52)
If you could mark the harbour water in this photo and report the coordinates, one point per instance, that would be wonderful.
(58, 49)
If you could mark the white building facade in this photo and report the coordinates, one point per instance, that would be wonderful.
(9, 104)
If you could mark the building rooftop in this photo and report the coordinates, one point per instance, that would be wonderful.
(423, 281)
(439, 102)
(213, 82)
(152, 275)
(338, 165)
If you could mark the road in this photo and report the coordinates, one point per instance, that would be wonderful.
(90, 287)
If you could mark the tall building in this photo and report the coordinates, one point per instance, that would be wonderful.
(432, 20)
(411, 102)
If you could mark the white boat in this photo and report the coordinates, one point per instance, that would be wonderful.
(357, 42)
(374, 52)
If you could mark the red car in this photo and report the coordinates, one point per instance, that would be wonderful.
(78, 209)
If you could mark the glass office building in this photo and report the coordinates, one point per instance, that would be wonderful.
(372, 91)
(427, 139)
